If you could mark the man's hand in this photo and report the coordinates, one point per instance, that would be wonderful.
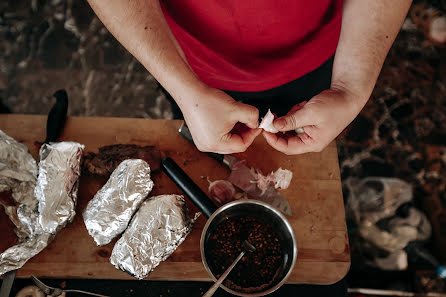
(322, 119)
(220, 124)
(368, 30)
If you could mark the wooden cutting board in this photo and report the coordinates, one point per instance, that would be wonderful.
(315, 197)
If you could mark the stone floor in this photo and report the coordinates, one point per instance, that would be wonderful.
(48, 45)
(61, 44)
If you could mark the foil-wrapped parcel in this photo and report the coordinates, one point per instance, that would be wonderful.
(157, 229)
(59, 163)
(109, 212)
(18, 174)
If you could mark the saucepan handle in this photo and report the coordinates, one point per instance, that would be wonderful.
(187, 185)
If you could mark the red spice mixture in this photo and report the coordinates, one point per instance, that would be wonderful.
(256, 269)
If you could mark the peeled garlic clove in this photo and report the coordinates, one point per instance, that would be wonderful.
(221, 191)
(267, 123)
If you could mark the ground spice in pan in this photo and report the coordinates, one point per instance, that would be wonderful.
(256, 270)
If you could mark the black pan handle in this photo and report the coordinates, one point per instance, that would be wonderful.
(187, 185)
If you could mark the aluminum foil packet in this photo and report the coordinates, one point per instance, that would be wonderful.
(57, 184)
(109, 212)
(157, 229)
(18, 174)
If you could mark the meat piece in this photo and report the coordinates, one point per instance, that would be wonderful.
(110, 156)
(7, 234)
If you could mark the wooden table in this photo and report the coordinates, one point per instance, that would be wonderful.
(315, 196)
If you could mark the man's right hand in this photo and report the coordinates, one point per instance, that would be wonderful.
(214, 121)
(210, 114)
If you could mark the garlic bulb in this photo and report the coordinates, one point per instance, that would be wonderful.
(221, 191)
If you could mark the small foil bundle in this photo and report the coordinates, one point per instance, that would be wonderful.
(157, 229)
(18, 170)
(57, 184)
(109, 212)
(18, 174)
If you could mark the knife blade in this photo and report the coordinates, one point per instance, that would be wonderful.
(8, 280)
(242, 177)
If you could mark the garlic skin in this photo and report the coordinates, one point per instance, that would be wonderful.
(282, 178)
(221, 191)
(267, 123)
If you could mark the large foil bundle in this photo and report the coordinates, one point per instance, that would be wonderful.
(109, 212)
(18, 174)
(157, 229)
(57, 184)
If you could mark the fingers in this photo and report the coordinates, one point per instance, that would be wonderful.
(239, 142)
(300, 144)
(297, 107)
(246, 114)
(298, 117)
(249, 136)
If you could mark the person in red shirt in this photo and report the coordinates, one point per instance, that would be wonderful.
(314, 63)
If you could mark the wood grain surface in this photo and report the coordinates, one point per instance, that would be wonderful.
(315, 197)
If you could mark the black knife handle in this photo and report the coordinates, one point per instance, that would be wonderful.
(57, 117)
(185, 132)
(187, 185)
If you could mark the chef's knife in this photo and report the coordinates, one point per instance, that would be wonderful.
(242, 177)
(8, 280)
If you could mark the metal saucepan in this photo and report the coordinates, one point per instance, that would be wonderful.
(239, 208)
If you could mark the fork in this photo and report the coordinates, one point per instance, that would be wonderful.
(54, 292)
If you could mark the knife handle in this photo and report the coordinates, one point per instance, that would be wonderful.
(57, 117)
(187, 185)
(185, 132)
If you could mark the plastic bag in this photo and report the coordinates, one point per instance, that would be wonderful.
(385, 219)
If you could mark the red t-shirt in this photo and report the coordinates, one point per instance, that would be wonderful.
(254, 45)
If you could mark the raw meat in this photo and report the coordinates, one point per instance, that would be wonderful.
(109, 157)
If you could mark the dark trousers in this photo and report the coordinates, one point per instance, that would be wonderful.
(280, 99)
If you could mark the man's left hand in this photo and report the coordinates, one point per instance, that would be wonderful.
(322, 119)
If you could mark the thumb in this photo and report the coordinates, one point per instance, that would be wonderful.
(299, 118)
(248, 115)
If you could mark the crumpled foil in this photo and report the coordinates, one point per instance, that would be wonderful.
(57, 184)
(18, 173)
(157, 229)
(109, 212)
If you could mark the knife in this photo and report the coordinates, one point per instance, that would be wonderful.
(8, 280)
(242, 176)
(57, 116)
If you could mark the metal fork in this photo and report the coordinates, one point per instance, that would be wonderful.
(54, 292)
